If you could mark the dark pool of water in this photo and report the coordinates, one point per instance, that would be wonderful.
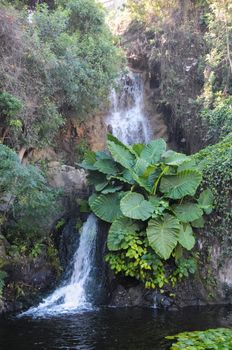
(109, 329)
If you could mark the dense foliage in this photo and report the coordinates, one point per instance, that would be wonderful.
(148, 194)
(25, 198)
(216, 163)
(217, 339)
(56, 63)
(217, 90)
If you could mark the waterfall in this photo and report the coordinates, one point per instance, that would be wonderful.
(74, 294)
(127, 120)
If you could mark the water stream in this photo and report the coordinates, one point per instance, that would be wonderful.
(74, 294)
(127, 118)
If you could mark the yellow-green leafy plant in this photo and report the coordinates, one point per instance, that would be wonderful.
(217, 339)
(150, 197)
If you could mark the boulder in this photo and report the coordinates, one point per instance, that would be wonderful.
(68, 178)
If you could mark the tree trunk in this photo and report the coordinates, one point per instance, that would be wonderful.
(21, 153)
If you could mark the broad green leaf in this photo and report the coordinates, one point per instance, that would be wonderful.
(186, 238)
(165, 170)
(153, 151)
(178, 252)
(89, 160)
(206, 200)
(124, 177)
(107, 206)
(128, 177)
(163, 235)
(142, 182)
(187, 212)
(140, 166)
(134, 206)
(98, 180)
(119, 229)
(115, 140)
(173, 158)
(189, 164)
(101, 186)
(106, 166)
(180, 185)
(121, 155)
(138, 148)
(153, 177)
(102, 155)
(111, 189)
(199, 223)
(92, 199)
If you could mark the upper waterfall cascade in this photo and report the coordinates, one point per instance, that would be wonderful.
(73, 295)
(127, 120)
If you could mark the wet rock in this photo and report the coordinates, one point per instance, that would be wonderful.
(68, 242)
(3, 307)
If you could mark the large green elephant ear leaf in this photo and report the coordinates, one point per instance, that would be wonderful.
(163, 235)
(184, 183)
(88, 161)
(188, 164)
(137, 148)
(134, 206)
(102, 155)
(187, 212)
(106, 166)
(121, 155)
(153, 151)
(199, 223)
(173, 158)
(115, 140)
(186, 238)
(118, 232)
(206, 201)
(140, 166)
(111, 189)
(98, 180)
(107, 206)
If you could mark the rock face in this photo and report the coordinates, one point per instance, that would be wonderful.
(26, 279)
(67, 178)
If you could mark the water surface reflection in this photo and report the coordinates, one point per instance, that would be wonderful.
(109, 329)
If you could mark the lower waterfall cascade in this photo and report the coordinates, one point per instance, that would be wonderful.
(73, 294)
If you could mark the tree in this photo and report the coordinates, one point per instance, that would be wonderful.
(60, 62)
(25, 196)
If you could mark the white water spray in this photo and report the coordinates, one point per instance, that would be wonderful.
(73, 295)
(127, 120)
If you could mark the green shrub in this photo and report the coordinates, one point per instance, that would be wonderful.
(216, 164)
(9, 105)
(218, 119)
(148, 195)
(25, 197)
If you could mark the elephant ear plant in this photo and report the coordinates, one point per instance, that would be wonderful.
(148, 195)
